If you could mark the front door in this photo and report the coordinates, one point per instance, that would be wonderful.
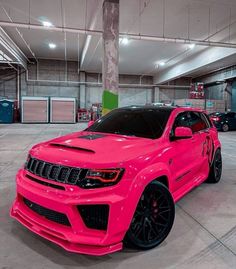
(183, 154)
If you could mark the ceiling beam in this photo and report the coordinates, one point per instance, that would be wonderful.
(128, 35)
(10, 48)
(194, 63)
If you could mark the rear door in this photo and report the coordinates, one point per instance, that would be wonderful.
(204, 144)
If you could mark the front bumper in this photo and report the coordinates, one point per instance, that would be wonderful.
(77, 237)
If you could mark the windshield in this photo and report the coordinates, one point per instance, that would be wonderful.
(147, 123)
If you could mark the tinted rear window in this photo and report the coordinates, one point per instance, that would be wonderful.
(147, 123)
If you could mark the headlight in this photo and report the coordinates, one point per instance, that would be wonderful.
(96, 178)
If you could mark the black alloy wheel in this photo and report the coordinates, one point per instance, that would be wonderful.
(216, 168)
(225, 127)
(153, 218)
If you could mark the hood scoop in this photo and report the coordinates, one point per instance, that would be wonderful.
(91, 136)
(71, 147)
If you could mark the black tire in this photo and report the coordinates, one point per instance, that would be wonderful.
(153, 218)
(225, 127)
(216, 168)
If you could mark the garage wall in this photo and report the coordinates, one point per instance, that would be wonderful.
(233, 108)
(127, 95)
(215, 92)
(8, 83)
(51, 76)
(55, 78)
(173, 93)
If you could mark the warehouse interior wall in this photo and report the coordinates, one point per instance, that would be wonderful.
(172, 93)
(215, 92)
(8, 83)
(222, 86)
(61, 79)
(233, 103)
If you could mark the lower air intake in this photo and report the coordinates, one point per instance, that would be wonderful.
(94, 216)
(47, 213)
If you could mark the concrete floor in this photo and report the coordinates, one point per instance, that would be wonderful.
(203, 235)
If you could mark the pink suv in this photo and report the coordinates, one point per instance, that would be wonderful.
(117, 181)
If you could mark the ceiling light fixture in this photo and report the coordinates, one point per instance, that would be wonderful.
(52, 45)
(47, 23)
(191, 46)
(125, 41)
(162, 63)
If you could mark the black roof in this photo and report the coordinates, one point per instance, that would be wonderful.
(148, 107)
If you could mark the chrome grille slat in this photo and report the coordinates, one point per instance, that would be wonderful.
(54, 172)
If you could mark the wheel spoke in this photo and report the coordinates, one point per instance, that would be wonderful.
(144, 230)
(164, 211)
(137, 229)
(160, 215)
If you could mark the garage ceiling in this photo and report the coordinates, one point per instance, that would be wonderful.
(190, 19)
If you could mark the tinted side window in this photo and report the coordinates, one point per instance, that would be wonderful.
(206, 119)
(196, 122)
(182, 120)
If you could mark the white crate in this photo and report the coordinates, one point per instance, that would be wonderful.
(34, 109)
(62, 110)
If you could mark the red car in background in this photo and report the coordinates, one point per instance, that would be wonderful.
(117, 181)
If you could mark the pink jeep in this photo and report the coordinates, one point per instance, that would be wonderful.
(117, 181)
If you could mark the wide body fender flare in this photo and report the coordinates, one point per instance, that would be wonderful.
(137, 187)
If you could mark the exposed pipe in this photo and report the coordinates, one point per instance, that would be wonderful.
(9, 49)
(18, 86)
(131, 36)
(8, 62)
(12, 48)
(51, 28)
(99, 84)
(180, 40)
(20, 34)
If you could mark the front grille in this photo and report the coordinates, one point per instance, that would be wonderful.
(45, 183)
(62, 174)
(47, 213)
(94, 216)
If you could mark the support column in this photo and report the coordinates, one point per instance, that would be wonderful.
(110, 55)
(156, 94)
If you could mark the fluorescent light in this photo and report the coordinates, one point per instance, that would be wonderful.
(162, 63)
(52, 45)
(124, 41)
(191, 46)
(47, 23)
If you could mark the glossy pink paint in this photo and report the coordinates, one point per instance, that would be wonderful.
(183, 162)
